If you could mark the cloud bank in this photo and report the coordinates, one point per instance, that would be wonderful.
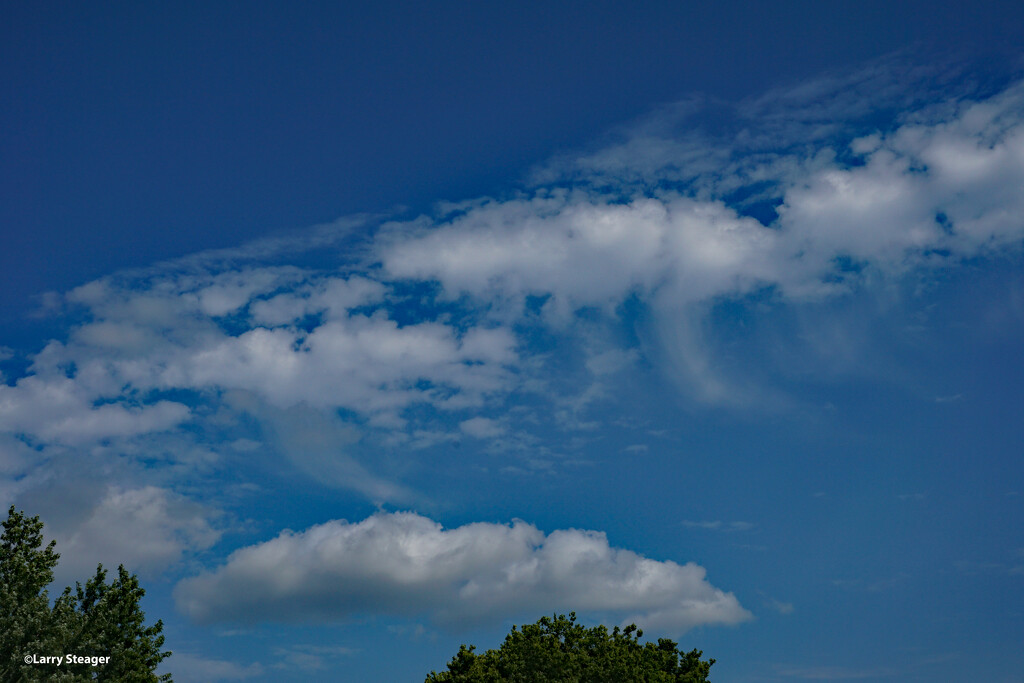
(341, 347)
(407, 565)
(943, 185)
(431, 312)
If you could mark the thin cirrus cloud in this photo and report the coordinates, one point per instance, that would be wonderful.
(942, 185)
(407, 565)
(421, 327)
(839, 206)
(939, 184)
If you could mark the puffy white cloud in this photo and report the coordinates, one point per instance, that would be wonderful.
(332, 298)
(365, 363)
(941, 183)
(661, 216)
(295, 342)
(952, 185)
(947, 180)
(162, 335)
(147, 529)
(405, 564)
(225, 293)
(587, 252)
(59, 409)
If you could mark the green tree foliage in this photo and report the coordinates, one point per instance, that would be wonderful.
(98, 619)
(25, 570)
(557, 649)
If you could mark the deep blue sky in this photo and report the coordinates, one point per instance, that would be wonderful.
(737, 285)
(133, 132)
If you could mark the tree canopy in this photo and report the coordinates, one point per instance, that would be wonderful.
(98, 620)
(558, 649)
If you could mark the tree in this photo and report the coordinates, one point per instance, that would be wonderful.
(25, 615)
(98, 619)
(559, 649)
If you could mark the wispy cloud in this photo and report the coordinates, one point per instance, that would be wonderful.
(436, 316)
(190, 668)
(311, 658)
(778, 605)
(442, 329)
(717, 525)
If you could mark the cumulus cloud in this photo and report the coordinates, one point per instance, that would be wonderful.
(589, 252)
(147, 529)
(408, 565)
(800, 196)
(946, 180)
(365, 362)
(61, 410)
(238, 331)
(795, 209)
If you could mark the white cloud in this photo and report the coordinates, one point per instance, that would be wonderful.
(319, 443)
(778, 605)
(366, 363)
(160, 334)
(482, 427)
(62, 410)
(712, 148)
(15, 458)
(146, 529)
(333, 298)
(585, 251)
(226, 293)
(311, 658)
(590, 249)
(610, 361)
(939, 184)
(405, 564)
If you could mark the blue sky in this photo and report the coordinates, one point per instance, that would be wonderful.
(361, 333)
